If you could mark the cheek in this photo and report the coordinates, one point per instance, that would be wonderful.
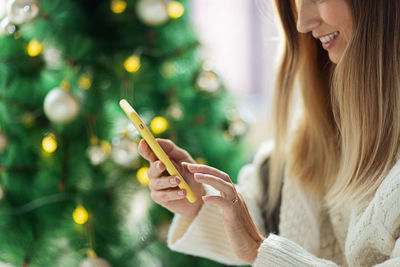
(337, 15)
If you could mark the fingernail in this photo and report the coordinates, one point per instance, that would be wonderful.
(198, 175)
(181, 193)
(160, 165)
(172, 180)
(191, 167)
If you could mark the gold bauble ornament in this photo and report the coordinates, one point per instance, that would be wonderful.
(158, 125)
(118, 6)
(132, 63)
(85, 82)
(49, 143)
(142, 176)
(175, 9)
(34, 48)
(80, 215)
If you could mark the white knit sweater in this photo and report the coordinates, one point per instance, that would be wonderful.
(364, 234)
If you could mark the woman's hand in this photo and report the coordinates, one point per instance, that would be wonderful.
(164, 188)
(243, 234)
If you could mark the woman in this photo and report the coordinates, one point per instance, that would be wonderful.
(334, 178)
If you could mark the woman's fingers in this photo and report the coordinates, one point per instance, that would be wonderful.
(193, 168)
(221, 185)
(146, 152)
(219, 201)
(163, 196)
(156, 169)
(163, 183)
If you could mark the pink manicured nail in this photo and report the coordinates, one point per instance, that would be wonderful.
(198, 175)
(181, 193)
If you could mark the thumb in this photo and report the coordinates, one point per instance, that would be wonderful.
(173, 151)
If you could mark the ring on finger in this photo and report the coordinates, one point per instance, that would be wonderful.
(235, 200)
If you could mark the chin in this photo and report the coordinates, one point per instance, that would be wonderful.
(334, 58)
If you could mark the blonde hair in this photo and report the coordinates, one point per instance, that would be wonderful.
(348, 136)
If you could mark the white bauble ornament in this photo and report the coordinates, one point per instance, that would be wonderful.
(175, 111)
(53, 58)
(96, 154)
(208, 81)
(152, 12)
(238, 128)
(124, 152)
(94, 262)
(6, 27)
(60, 106)
(3, 142)
(3, 8)
(22, 11)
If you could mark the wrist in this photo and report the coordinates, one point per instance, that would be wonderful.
(257, 245)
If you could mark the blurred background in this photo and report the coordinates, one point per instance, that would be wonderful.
(73, 188)
(241, 40)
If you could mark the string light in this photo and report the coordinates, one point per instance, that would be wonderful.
(175, 9)
(28, 120)
(159, 125)
(132, 63)
(106, 146)
(80, 215)
(85, 82)
(49, 143)
(200, 160)
(34, 48)
(65, 86)
(142, 176)
(118, 6)
(1, 193)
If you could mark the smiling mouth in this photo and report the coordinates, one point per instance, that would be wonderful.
(328, 40)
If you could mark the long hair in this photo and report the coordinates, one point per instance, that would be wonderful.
(349, 133)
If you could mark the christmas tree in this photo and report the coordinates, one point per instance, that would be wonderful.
(72, 184)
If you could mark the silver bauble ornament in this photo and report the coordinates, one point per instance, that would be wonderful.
(152, 12)
(6, 27)
(208, 81)
(60, 106)
(3, 142)
(22, 11)
(124, 152)
(94, 262)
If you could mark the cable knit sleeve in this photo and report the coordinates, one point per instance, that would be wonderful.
(205, 236)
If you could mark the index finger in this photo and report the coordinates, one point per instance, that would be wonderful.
(173, 151)
(146, 152)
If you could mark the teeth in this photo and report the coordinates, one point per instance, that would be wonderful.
(328, 38)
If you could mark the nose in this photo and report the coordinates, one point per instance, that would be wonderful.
(307, 16)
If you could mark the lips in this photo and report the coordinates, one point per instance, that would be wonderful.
(329, 39)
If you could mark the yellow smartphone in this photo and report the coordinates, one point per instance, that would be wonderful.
(148, 136)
